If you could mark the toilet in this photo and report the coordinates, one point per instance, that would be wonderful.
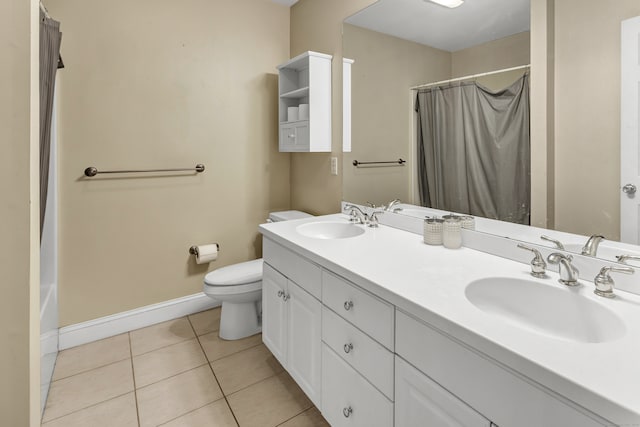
(239, 288)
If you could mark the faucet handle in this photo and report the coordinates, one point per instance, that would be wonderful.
(373, 219)
(558, 244)
(604, 283)
(623, 258)
(538, 266)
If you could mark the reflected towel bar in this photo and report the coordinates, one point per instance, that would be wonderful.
(398, 162)
(92, 171)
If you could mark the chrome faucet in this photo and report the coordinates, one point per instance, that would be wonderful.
(359, 217)
(538, 266)
(624, 258)
(356, 214)
(604, 283)
(391, 204)
(568, 273)
(591, 247)
(558, 244)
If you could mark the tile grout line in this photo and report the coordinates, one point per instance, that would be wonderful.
(187, 413)
(133, 374)
(300, 413)
(224, 396)
(86, 407)
(89, 370)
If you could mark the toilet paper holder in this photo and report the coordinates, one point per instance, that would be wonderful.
(193, 250)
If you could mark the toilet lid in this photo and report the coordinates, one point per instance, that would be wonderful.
(236, 274)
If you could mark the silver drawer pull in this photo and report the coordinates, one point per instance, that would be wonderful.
(348, 348)
(286, 297)
(280, 294)
(347, 412)
(348, 305)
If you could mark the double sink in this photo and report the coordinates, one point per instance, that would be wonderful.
(538, 306)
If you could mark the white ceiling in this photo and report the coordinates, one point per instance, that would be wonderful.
(473, 23)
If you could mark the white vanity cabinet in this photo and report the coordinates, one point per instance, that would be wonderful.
(291, 330)
(305, 79)
(422, 402)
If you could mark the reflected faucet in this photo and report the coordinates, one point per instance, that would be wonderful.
(558, 244)
(391, 204)
(568, 273)
(591, 247)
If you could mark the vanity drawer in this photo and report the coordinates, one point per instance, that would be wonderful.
(499, 394)
(348, 399)
(368, 357)
(303, 272)
(369, 313)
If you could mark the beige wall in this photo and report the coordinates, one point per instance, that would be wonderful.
(317, 25)
(494, 55)
(19, 228)
(161, 84)
(587, 114)
(385, 68)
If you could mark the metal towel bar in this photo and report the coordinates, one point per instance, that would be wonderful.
(92, 171)
(398, 162)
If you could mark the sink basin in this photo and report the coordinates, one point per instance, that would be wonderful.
(545, 309)
(330, 230)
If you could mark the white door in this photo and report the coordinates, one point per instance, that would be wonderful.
(274, 333)
(422, 402)
(304, 341)
(630, 131)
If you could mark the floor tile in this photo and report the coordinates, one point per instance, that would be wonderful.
(216, 348)
(160, 335)
(216, 414)
(120, 412)
(244, 368)
(206, 321)
(269, 402)
(176, 396)
(93, 355)
(167, 361)
(309, 418)
(80, 391)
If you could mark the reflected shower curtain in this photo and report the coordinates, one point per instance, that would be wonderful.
(474, 150)
(50, 38)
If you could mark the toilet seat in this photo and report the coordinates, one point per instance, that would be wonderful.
(236, 275)
(232, 289)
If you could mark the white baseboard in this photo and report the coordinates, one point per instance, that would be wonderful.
(108, 326)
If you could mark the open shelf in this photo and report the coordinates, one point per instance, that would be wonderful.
(297, 93)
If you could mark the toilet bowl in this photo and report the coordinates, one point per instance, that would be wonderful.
(239, 288)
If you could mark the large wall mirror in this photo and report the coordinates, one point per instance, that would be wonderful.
(399, 44)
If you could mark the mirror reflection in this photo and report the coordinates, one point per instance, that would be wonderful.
(575, 167)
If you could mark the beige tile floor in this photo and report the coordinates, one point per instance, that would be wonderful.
(175, 374)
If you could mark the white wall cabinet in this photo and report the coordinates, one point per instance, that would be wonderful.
(291, 322)
(305, 79)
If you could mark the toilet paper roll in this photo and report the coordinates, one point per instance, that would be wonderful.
(292, 114)
(206, 253)
(303, 112)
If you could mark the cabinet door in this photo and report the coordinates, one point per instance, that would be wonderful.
(274, 333)
(349, 400)
(422, 402)
(304, 340)
(294, 136)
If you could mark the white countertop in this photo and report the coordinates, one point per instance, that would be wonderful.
(429, 282)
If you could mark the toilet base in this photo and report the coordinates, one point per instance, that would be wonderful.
(239, 320)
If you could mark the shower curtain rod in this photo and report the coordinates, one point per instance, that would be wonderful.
(473, 76)
(44, 10)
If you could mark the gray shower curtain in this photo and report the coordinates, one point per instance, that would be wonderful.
(50, 38)
(474, 150)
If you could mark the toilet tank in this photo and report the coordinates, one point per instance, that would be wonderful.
(287, 216)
